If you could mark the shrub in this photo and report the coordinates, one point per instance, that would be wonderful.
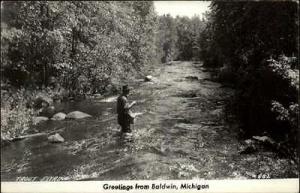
(15, 116)
(267, 99)
(287, 111)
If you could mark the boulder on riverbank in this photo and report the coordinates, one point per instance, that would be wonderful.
(37, 120)
(77, 115)
(56, 138)
(59, 116)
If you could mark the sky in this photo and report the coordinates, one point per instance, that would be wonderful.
(181, 8)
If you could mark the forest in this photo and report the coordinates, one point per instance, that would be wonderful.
(76, 49)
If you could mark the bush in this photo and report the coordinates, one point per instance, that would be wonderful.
(267, 99)
(18, 106)
(286, 109)
(15, 116)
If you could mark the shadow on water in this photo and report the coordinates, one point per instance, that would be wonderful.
(181, 134)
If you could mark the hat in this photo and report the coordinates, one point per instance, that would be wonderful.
(125, 88)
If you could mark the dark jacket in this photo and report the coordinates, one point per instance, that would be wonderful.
(123, 110)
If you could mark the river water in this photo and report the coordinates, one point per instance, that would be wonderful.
(184, 132)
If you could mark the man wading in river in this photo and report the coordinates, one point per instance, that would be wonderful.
(125, 117)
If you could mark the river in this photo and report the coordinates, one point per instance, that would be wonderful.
(183, 133)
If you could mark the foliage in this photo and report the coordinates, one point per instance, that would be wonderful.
(285, 67)
(96, 41)
(188, 42)
(287, 111)
(167, 38)
(179, 38)
(19, 106)
(209, 52)
(244, 33)
(15, 116)
(257, 41)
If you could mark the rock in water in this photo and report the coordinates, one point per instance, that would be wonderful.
(191, 78)
(57, 138)
(217, 112)
(59, 116)
(37, 120)
(148, 78)
(77, 115)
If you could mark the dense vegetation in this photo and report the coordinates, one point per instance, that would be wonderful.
(255, 43)
(92, 42)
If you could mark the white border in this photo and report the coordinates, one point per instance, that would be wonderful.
(215, 186)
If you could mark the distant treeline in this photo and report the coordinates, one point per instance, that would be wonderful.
(179, 38)
(256, 44)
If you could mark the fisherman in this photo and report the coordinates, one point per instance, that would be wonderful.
(125, 117)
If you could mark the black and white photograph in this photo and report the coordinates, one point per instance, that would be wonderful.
(149, 90)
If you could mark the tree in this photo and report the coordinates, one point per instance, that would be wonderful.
(167, 38)
(97, 41)
(258, 41)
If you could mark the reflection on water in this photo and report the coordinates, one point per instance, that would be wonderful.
(181, 134)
